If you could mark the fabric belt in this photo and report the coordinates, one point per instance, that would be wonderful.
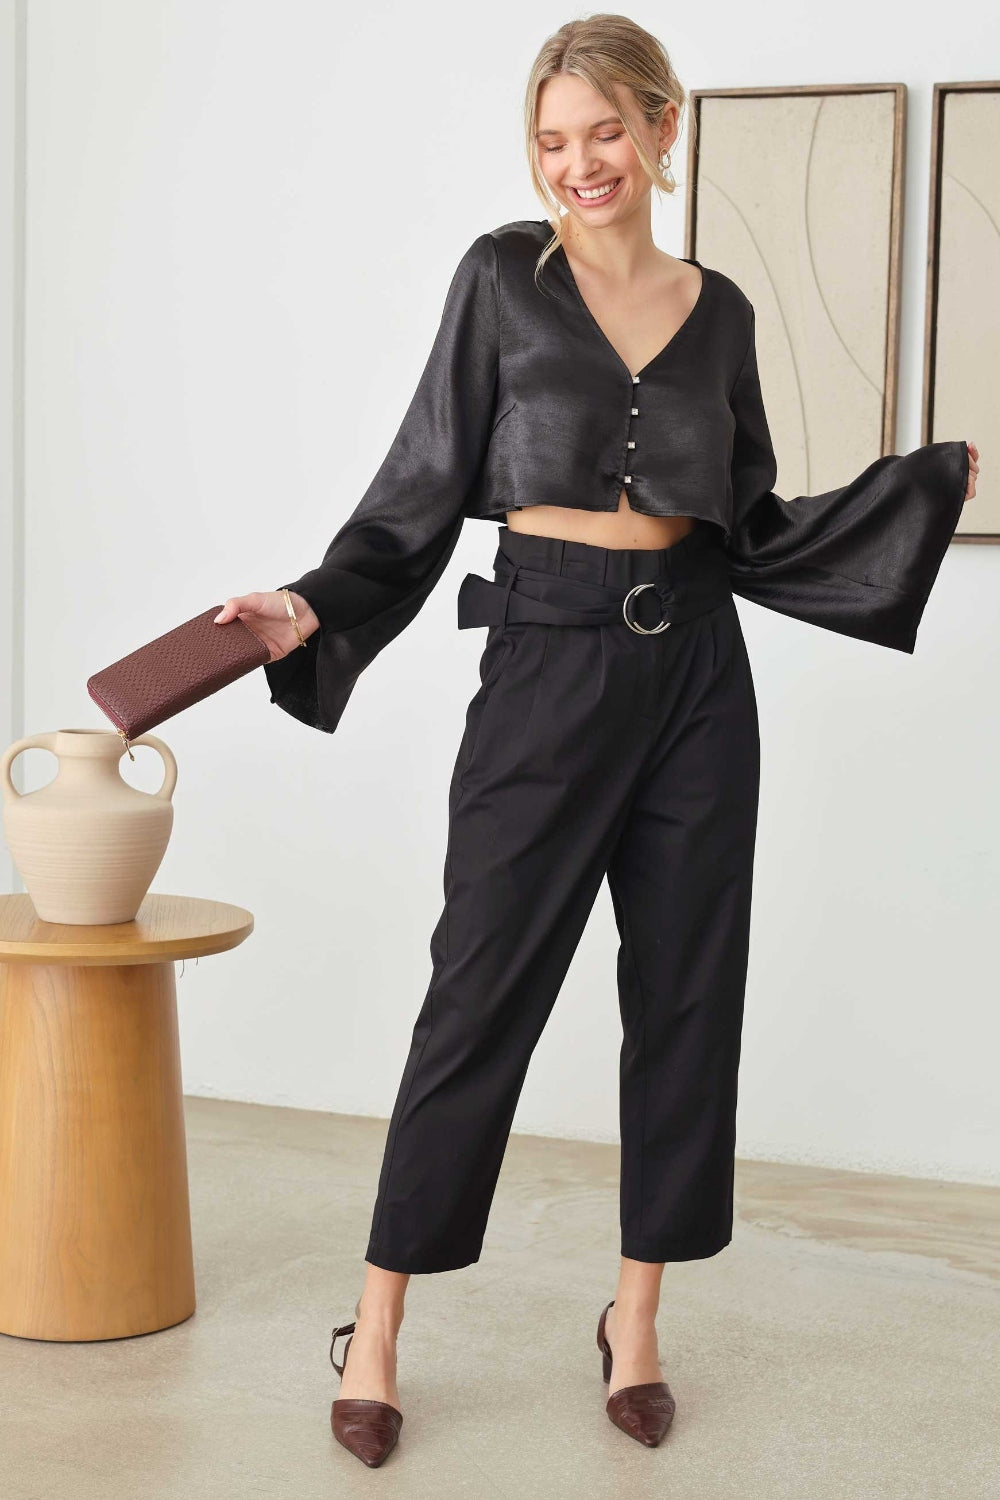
(522, 594)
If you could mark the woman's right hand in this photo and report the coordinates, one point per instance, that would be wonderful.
(265, 614)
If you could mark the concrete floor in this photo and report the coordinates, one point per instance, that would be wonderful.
(844, 1345)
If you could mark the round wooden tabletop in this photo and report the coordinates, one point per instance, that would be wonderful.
(164, 927)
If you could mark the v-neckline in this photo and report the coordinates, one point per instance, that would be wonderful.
(699, 301)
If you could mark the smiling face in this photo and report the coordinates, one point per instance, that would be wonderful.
(584, 152)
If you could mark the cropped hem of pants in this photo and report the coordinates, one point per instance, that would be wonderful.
(591, 751)
(668, 1250)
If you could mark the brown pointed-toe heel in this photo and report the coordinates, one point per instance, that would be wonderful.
(369, 1429)
(643, 1411)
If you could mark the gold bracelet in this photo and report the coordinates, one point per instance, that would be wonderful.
(292, 616)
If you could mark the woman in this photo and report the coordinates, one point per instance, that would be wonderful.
(600, 398)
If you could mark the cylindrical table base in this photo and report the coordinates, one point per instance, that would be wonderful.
(95, 1223)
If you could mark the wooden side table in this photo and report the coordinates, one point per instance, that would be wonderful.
(95, 1220)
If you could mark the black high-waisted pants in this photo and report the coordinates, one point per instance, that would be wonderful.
(590, 750)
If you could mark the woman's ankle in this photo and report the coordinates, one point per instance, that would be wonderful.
(632, 1318)
(381, 1301)
(380, 1313)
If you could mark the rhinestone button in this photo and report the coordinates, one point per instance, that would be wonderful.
(628, 479)
(631, 445)
(635, 411)
(635, 380)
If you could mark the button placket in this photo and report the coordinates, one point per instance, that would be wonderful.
(630, 442)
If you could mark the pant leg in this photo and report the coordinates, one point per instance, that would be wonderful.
(552, 746)
(680, 880)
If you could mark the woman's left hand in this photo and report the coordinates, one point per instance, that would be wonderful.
(973, 469)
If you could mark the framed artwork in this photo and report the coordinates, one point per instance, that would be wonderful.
(962, 310)
(797, 193)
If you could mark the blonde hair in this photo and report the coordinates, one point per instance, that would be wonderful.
(606, 51)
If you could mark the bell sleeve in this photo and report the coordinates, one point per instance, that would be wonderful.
(861, 559)
(388, 555)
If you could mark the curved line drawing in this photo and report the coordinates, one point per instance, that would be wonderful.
(781, 313)
(879, 390)
(975, 198)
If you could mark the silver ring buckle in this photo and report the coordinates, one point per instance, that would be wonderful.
(632, 624)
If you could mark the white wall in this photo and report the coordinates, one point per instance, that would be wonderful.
(12, 151)
(241, 223)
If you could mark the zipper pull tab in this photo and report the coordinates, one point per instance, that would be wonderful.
(128, 747)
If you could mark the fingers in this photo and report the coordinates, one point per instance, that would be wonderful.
(970, 493)
(266, 606)
(231, 609)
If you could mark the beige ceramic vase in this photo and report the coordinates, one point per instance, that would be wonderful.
(87, 845)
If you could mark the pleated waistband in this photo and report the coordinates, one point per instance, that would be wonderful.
(548, 580)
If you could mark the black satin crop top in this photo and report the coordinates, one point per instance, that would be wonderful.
(523, 401)
(569, 423)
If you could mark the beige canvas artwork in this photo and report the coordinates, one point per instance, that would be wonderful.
(963, 289)
(796, 194)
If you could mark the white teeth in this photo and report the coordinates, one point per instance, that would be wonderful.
(600, 192)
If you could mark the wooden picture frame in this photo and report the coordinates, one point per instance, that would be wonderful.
(962, 302)
(770, 171)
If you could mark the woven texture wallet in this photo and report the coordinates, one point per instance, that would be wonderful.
(189, 663)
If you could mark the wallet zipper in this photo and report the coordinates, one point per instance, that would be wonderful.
(118, 730)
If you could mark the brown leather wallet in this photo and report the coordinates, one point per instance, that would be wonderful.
(188, 663)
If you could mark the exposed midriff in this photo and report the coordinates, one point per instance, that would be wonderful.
(624, 528)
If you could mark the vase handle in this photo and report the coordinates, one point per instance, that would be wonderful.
(166, 789)
(33, 742)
